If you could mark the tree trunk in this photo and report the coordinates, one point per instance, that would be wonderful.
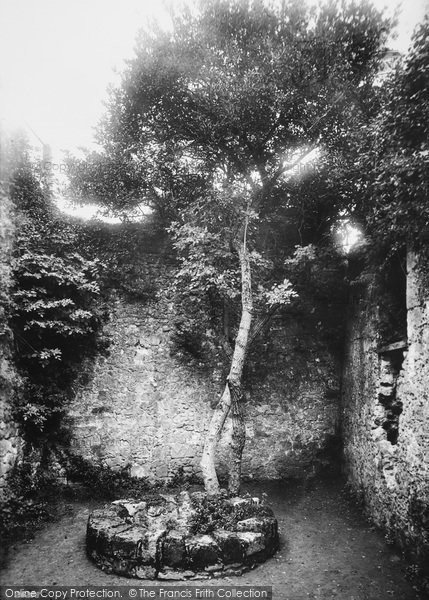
(237, 442)
(217, 422)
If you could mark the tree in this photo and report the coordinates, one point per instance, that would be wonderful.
(209, 123)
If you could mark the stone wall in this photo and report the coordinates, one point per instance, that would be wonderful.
(143, 408)
(385, 417)
(10, 441)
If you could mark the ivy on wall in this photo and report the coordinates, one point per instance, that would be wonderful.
(57, 307)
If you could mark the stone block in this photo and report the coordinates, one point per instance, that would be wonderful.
(253, 543)
(104, 517)
(231, 548)
(173, 549)
(202, 551)
(129, 543)
(267, 526)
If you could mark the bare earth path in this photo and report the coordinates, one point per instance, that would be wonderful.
(328, 551)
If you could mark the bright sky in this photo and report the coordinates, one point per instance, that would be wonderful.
(57, 58)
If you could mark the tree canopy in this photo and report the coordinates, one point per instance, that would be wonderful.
(387, 166)
(236, 91)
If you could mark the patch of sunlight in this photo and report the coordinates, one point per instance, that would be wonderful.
(302, 162)
(348, 235)
(94, 211)
(86, 212)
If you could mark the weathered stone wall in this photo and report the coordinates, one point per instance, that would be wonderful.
(142, 407)
(10, 441)
(381, 393)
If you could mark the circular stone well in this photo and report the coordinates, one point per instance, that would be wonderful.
(183, 536)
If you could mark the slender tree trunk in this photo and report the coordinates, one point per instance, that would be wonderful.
(238, 440)
(233, 386)
(217, 422)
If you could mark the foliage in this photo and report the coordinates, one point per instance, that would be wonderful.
(56, 305)
(21, 515)
(29, 503)
(122, 250)
(386, 177)
(215, 512)
(182, 479)
(51, 302)
(103, 481)
(382, 183)
(126, 180)
(319, 275)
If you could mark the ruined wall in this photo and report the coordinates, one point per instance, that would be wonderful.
(10, 442)
(142, 407)
(385, 417)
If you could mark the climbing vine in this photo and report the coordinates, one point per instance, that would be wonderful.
(56, 309)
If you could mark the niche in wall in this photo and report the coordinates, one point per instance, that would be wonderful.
(391, 358)
(393, 337)
(392, 302)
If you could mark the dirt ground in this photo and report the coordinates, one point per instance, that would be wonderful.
(328, 551)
